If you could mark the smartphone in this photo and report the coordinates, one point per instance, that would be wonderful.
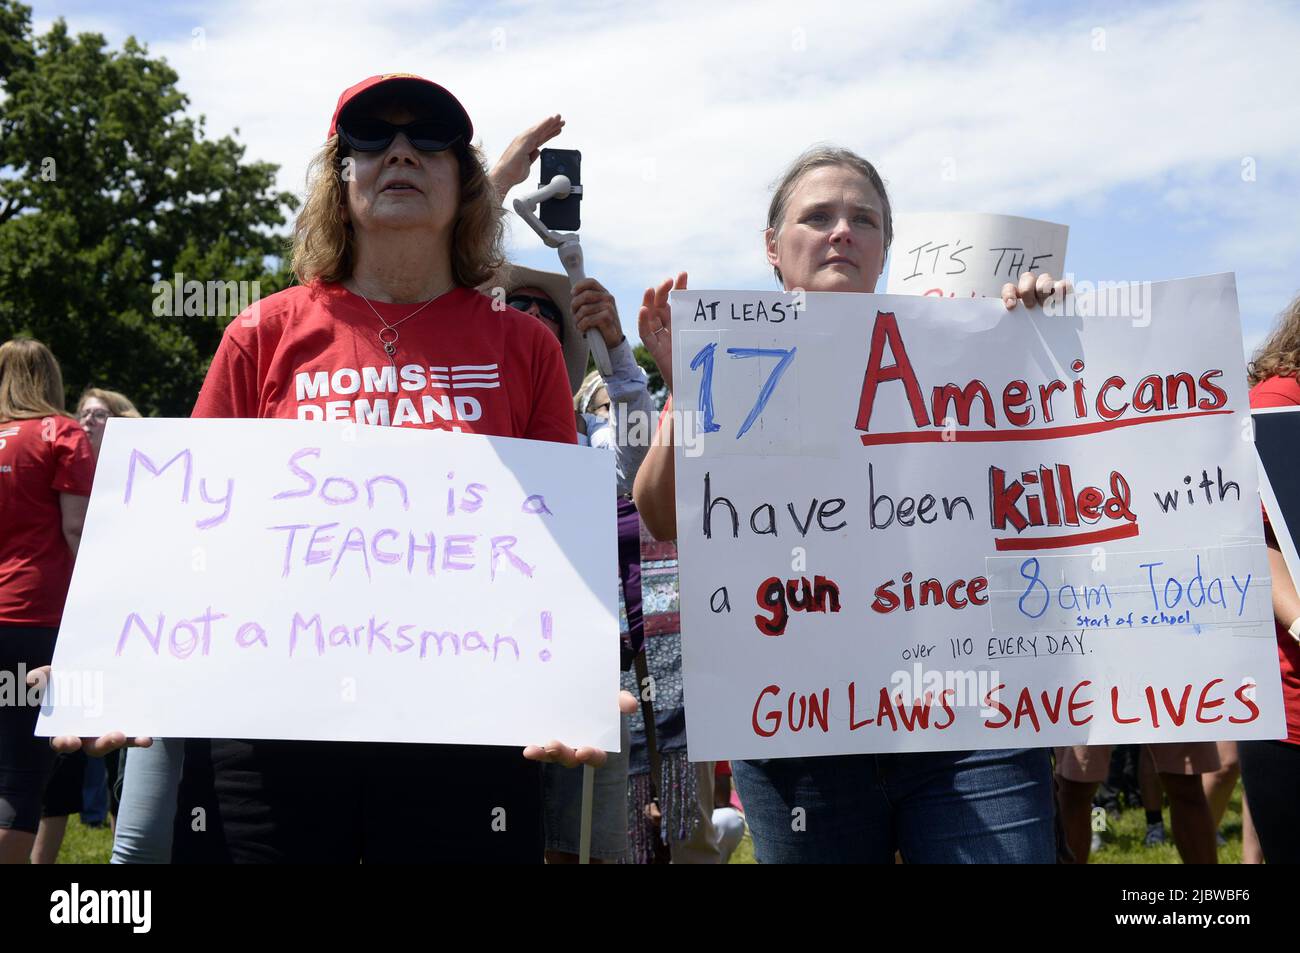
(562, 214)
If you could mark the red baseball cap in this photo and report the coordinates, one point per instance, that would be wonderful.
(417, 88)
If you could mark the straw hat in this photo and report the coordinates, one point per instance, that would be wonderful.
(513, 277)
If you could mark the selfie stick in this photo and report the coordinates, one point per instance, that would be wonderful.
(584, 825)
(569, 249)
(570, 252)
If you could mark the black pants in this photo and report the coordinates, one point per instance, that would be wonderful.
(343, 802)
(1270, 771)
(25, 761)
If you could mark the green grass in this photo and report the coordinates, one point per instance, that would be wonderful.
(1122, 841)
(86, 845)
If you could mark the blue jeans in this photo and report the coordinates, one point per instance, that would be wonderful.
(562, 805)
(94, 792)
(978, 807)
(144, 818)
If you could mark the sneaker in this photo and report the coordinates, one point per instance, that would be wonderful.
(1220, 840)
(1155, 834)
(1096, 843)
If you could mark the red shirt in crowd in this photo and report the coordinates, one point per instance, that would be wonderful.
(1284, 392)
(39, 459)
(313, 353)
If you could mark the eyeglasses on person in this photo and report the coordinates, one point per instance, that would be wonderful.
(545, 306)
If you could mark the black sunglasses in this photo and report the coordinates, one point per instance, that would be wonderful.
(375, 135)
(545, 305)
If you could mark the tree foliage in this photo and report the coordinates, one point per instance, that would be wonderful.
(106, 187)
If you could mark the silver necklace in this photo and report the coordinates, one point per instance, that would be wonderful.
(390, 343)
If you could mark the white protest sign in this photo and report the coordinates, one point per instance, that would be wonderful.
(322, 581)
(971, 255)
(910, 524)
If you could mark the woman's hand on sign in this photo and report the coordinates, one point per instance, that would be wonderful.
(1035, 289)
(555, 752)
(593, 307)
(95, 747)
(512, 168)
(654, 323)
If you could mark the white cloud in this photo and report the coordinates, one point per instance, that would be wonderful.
(686, 112)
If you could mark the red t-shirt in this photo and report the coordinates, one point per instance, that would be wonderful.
(1284, 392)
(39, 459)
(313, 353)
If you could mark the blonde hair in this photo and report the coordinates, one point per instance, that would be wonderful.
(1279, 355)
(587, 392)
(118, 405)
(815, 158)
(31, 384)
(323, 239)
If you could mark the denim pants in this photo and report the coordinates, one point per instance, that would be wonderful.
(94, 792)
(144, 818)
(978, 807)
(562, 805)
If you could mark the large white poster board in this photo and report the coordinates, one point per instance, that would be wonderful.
(307, 580)
(917, 524)
(971, 254)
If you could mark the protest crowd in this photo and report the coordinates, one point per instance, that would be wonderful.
(399, 261)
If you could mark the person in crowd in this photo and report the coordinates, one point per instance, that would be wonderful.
(64, 796)
(1179, 767)
(1270, 770)
(81, 785)
(94, 409)
(829, 226)
(1219, 786)
(670, 812)
(400, 225)
(567, 314)
(46, 472)
(517, 160)
(614, 413)
(136, 841)
(728, 819)
(145, 837)
(147, 809)
(95, 811)
(1153, 799)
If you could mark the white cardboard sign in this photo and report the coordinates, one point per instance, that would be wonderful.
(971, 254)
(323, 581)
(908, 523)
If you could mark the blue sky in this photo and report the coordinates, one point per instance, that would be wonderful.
(1165, 135)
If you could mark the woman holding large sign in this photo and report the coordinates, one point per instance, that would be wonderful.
(829, 228)
(401, 224)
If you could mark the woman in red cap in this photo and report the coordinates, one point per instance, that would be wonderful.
(400, 225)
